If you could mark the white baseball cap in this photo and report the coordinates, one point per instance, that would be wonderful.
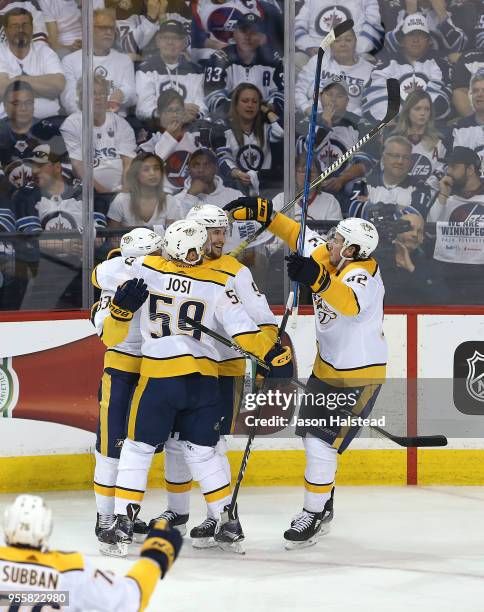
(414, 22)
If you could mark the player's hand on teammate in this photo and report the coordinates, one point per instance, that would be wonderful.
(250, 209)
(162, 545)
(308, 272)
(279, 360)
(130, 296)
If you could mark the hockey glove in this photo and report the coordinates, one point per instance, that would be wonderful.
(128, 298)
(307, 271)
(250, 209)
(162, 545)
(279, 360)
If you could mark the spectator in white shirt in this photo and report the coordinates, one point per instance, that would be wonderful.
(40, 30)
(63, 23)
(113, 140)
(116, 67)
(33, 62)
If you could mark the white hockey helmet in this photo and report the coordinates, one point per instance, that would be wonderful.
(183, 236)
(208, 215)
(28, 521)
(140, 241)
(359, 232)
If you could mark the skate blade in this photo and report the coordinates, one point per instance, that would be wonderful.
(232, 547)
(114, 550)
(139, 538)
(204, 543)
(182, 529)
(291, 545)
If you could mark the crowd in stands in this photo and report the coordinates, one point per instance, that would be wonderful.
(188, 107)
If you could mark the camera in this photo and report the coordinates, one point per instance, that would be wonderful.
(387, 220)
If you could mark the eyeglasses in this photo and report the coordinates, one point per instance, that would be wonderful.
(399, 157)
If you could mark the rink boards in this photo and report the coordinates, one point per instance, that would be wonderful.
(50, 365)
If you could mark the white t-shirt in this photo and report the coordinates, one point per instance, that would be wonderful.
(322, 207)
(116, 67)
(39, 61)
(120, 211)
(67, 15)
(111, 140)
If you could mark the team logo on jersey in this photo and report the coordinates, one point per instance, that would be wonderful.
(411, 83)
(469, 378)
(470, 213)
(176, 168)
(330, 17)
(221, 23)
(421, 167)
(8, 387)
(322, 310)
(21, 145)
(178, 87)
(58, 221)
(18, 173)
(101, 71)
(250, 157)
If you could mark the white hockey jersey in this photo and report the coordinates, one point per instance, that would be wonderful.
(348, 315)
(426, 160)
(134, 33)
(356, 76)
(316, 18)
(108, 276)
(26, 569)
(470, 133)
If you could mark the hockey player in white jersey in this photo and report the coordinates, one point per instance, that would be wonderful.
(230, 376)
(351, 349)
(120, 376)
(178, 386)
(26, 565)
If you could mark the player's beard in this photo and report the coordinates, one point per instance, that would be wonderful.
(214, 252)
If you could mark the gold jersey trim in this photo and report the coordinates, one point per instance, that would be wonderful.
(57, 560)
(374, 373)
(178, 366)
(122, 361)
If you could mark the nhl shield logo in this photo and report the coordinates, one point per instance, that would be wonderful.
(475, 377)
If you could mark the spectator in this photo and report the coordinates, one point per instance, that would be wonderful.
(145, 203)
(169, 70)
(467, 14)
(469, 131)
(10, 286)
(21, 132)
(410, 276)
(52, 204)
(32, 62)
(416, 122)
(341, 62)
(175, 142)
(113, 141)
(316, 18)
(63, 23)
(390, 183)
(108, 63)
(137, 22)
(337, 130)
(459, 213)
(321, 205)
(39, 27)
(469, 64)
(446, 36)
(415, 66)
(246, 155)
(249, 60)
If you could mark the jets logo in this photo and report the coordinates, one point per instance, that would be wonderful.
(330, 17)
(60, 220)
(250, 157)
(421, 167)
(411, 83)
(176, 168)
(101, 71)
(221, 23)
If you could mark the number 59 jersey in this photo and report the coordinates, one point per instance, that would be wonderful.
(169, 346)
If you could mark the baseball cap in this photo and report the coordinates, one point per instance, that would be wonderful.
(42, 154)
(415, 22)
(334, 82)
(250, 21)
(172, 25)
(464, 155)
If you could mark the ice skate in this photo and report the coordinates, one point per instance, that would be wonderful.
(178, 521)
(306, 528)
(103, 521)
(203, 535)
(114, 540)
(140, 531)
(228, 533)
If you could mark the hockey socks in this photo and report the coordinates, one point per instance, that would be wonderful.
(321, 464)
(105, 474)
(134, 465)
(178, 477)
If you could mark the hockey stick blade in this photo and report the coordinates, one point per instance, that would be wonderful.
(343, 27)
(413, 441)
(393, 93)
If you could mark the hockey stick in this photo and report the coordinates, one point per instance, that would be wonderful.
(325, 43)
(393, 90)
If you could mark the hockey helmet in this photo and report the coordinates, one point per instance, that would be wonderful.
(140, 241)
(359, 232)
(183, 236)
(208, 215)
(28, 522)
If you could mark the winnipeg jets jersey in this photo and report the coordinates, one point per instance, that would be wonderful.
(108, 276)
(169, 346)
(26, 569)
(316, 18)
(348, 315)
(134, 33)
(356, 76)
(470, 133)
(155, 76)
(426, 160)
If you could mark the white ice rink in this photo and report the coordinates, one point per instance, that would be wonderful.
(411, 549)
